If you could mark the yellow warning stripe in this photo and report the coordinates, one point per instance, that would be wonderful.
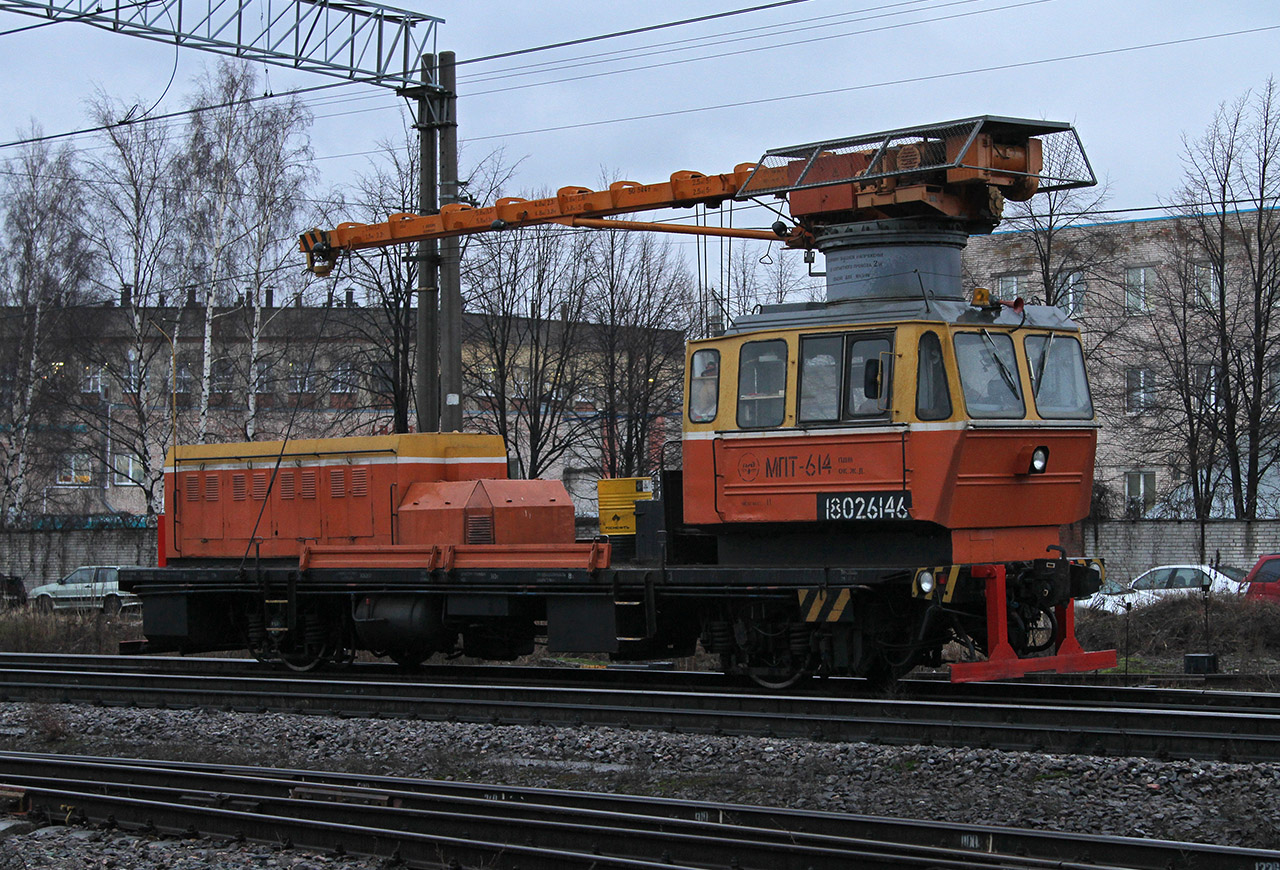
(818, 605)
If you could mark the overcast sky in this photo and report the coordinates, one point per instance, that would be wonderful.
(1135, 76)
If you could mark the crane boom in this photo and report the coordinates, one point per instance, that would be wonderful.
(958, 169)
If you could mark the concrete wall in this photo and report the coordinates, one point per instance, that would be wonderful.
(44, 556)
(1130, 547)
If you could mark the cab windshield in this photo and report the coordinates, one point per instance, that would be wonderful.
(1058, 383)
(989, 375)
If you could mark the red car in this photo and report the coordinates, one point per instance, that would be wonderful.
(1264, 579)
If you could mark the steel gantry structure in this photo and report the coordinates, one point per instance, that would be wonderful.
(350, 39)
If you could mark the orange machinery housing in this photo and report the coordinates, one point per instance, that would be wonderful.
(383, 501)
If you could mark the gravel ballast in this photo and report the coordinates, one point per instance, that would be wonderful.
(1195, 801)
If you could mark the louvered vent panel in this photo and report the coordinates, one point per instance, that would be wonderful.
(308, 484)
(211, 487)
(239, 487)
(286, 485)
(337, 482)
(259, 485)
(193, 486)
(359, 481)
(479, 529)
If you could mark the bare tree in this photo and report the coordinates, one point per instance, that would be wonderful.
(135, 226)
(49, 265)
(1227, 206)
(639, 307)
(523, 368)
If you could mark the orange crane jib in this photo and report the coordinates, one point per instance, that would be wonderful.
(953, 169)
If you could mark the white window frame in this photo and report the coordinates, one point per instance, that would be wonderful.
(1137, 283)
(301, 379)
(1071, 290)
(1146, 488)
(1007, 286)
(75, 469)
(91, 383)
(1208, 286)
(343, 378)
(1137, 401)
(124, 470)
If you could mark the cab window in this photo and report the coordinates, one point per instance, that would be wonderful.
(844, 377)
(870, 373)
(933, 397)
(1058, 383)
(704, 386)
(821, 360)
(989, 375)
(762, 384)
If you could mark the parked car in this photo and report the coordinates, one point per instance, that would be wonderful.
(1168, 581)
(1264, 578)
(93, 587)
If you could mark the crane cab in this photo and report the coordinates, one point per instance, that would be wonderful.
(854, 434)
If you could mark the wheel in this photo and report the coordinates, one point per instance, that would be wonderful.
(781, 682)
(304, 661)
(111, 605)
(44, 604)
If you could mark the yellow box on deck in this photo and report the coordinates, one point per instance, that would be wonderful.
(617, 499)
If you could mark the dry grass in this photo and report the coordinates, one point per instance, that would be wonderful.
(88, 633)
(1244, 632)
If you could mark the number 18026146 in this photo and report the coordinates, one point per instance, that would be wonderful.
(892, 505)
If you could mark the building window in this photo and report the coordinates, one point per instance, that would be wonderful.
(343, 378)
(263, 382)
(91, 382)
(222, 376)
(1070, 292)
(134, 380)
(1137, 390)
(1137, 281)
(301, 379)
(1007, 287)
(1208, 286)
(184, 382)
(1204, 384)
(126, 470)
(1139, 492)
(76, 469)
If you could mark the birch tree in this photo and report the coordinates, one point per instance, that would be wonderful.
(135, 228)
(48, 267)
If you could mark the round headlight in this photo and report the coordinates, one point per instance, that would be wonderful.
(926, 582)
(1039, 460)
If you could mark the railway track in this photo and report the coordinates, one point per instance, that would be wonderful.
(448, 824)
(1072, 719)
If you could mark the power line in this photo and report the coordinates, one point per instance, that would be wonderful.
(883, 84)
(648, 29)
(735, 36)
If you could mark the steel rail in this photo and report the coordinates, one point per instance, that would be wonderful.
(1163, 690)
(1016, 723)
(474, 822)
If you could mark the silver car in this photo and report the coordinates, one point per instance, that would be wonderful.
(1167, 581)
(94, 587)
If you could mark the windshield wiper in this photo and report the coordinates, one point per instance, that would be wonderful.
(1044, 360)
(1004, 370)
